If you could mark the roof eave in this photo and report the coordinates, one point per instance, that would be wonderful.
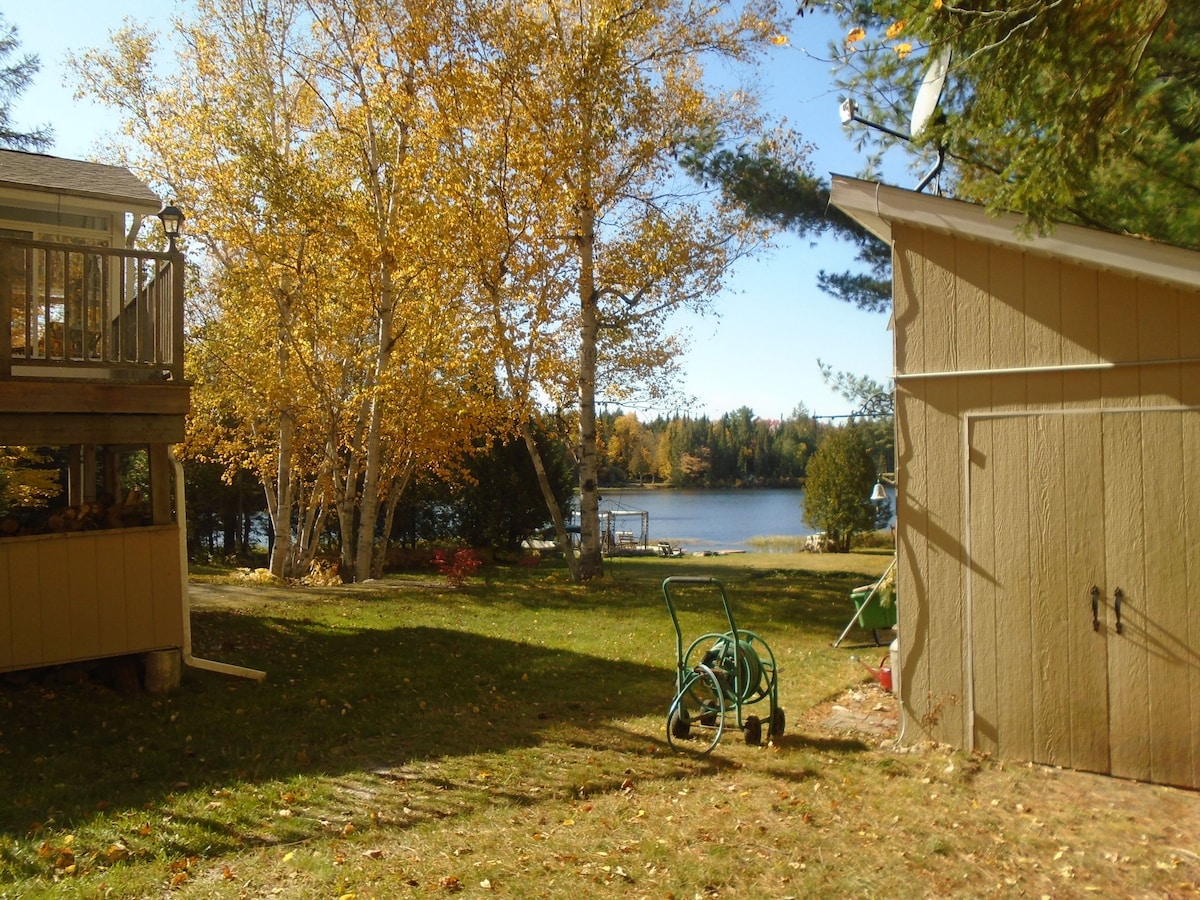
(877, 207)
(145, 205)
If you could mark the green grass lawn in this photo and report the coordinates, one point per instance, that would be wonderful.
(507, 739)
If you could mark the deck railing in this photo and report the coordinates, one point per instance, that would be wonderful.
(90, 312)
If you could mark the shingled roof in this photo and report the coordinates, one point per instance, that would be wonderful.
(95, 181)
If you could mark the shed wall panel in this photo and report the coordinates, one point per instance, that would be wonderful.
(971, 300)
(1043, 311)
(1117, 339)
(1007, 283)
(1166, 614)
(1080, 320)
(1189, 500)
(912, 617)
(944, 557)
(939, 319)
(1125, 554)
(1085, 646)
(1191, 586)
(167, 583)
(908, 295)
(986, 651)
(1048, 590)
(971, 304)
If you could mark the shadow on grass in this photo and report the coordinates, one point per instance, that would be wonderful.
(347, 700)
(336, 701)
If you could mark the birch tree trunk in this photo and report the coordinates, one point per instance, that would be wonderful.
(556, 516)
(590, 561)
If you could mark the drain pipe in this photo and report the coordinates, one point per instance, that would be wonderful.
(210, 665)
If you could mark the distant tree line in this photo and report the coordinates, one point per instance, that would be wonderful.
(737, 449)
(491, 498)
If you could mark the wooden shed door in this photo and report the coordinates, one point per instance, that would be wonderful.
(1064, 506)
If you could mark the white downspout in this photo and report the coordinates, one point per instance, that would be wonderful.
(181, 518)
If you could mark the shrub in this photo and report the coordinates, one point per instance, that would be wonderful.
(457, 567)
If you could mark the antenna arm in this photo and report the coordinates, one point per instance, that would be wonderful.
(933, 173)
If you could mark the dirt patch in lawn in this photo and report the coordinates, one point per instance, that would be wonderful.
(865, 710)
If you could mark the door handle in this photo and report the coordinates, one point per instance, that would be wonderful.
(1118, 596)
(1095, 608)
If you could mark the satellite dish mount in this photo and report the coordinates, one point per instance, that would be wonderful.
(924, 107)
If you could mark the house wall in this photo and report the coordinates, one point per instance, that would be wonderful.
(1124, 401)
(86, 595)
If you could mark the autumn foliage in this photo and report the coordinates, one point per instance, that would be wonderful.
(457, 565)
(416, 224)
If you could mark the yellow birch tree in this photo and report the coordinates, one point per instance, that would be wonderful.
(297, 136)
(589, 103)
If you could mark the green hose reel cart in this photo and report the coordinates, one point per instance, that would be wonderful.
(718, 675)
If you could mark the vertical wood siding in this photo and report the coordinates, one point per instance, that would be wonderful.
(85, 595)
(1019, 491)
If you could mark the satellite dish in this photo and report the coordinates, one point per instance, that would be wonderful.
(930, 93)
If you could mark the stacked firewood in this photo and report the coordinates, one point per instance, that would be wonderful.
(97, 514)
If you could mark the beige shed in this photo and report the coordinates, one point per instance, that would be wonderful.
(1048, 516)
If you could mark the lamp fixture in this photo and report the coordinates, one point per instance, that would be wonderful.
(172, 223)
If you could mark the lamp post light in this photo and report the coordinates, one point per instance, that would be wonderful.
(172, 222)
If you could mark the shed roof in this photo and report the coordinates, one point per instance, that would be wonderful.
(877, 207)
(93, 181)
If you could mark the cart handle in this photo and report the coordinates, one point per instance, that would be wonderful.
(697, 580)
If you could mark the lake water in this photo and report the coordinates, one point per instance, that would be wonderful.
(711, 519)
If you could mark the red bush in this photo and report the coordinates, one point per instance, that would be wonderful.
(457, 568)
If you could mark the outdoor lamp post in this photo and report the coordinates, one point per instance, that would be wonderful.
(172, 222)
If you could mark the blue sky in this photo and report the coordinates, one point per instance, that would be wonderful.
(771, 324)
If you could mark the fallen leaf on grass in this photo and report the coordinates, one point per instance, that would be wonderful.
(116, 853)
